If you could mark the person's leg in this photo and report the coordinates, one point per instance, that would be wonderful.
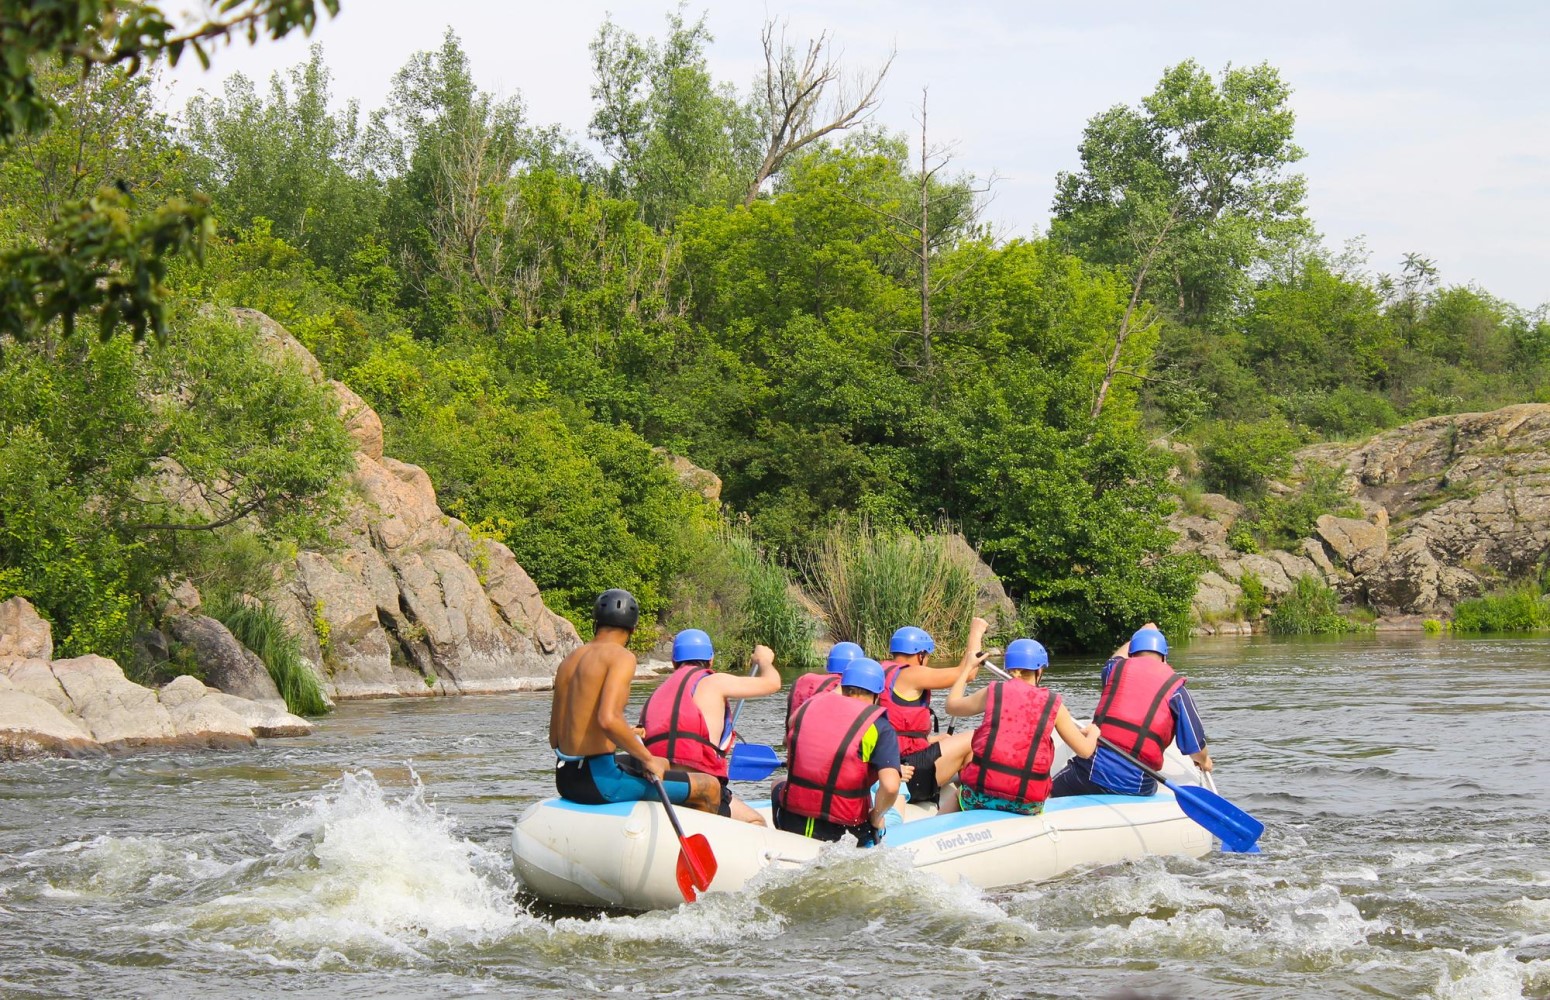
(622, 779)
(956, 751)
(923, 784)
(1072, 781)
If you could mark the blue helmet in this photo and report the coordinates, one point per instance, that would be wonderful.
(1148, 640)
(1026, 654)
(842, 655)
(909, 640)
(864, 674)
(692, 644)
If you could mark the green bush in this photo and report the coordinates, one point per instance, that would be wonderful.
(1310, 609)
(1252, 604)
(1520, 608)
(258, 628)
(1240, 456)
(870, 582)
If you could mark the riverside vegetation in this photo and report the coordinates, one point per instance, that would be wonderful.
(823, 322)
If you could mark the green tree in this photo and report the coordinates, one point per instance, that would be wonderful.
(1191, 189)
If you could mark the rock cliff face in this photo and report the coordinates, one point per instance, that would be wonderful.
(1451, 503)
(407, 601)
(87, 705)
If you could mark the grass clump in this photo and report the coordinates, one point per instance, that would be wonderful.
(742, 597)
(870, 581)
(261, 630)
(1312, 608)
(1520, 608)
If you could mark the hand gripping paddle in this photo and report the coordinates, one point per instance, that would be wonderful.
(696, 862)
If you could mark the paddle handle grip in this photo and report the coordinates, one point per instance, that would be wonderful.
(1105, 741)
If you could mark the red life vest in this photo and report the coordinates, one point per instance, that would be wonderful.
(1014, 746)
(1133, 709)
(675, 726)
(912, 722)
(827, 778)
(805, 687)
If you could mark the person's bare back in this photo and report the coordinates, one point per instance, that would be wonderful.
(580, 687)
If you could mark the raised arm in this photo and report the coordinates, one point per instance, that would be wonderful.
(765, 682)
(936, 678)
(960, 704)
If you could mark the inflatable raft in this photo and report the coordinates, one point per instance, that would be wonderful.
(625, 855)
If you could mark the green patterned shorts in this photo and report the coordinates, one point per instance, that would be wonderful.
(968, 798)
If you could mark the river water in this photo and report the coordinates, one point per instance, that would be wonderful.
(1402, 782)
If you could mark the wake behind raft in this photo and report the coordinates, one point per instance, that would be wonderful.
(625, 855)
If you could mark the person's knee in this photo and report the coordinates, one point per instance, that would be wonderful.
(704, 793)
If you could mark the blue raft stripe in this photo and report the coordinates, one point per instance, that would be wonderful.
(608, 809)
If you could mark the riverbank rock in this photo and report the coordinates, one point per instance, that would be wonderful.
(23, 632)
(227, 664)
(86, 704)
(407, 601)
(1453, 505)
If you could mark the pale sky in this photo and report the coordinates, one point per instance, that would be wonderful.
(1426, 124)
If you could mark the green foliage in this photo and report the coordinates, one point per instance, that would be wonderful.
(871, 581)
(1524, 607)
(118, 457)
(258, 628)
(98, 257)
(1194, 185)
(1310, 609)
(741, 597)
(1252, 604)
(1432, 626)
(1240, 537)
(1239, 458)
(1281, 520)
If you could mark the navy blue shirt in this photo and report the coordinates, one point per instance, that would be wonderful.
(1112, 771)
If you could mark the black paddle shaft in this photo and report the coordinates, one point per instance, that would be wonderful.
(667, 804)
(1155, 774)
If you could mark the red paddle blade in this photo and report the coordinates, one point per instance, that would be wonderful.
(696, 866)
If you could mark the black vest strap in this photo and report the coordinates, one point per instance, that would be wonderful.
(675, 730)
(1140, 734)
(1024, 774)
(830, 786)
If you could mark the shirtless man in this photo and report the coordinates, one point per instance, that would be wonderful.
(587, 724)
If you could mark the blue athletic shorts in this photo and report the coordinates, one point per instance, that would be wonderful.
(608, 777)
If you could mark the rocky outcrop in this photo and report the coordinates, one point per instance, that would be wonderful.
(86, 705)
(407, 601)
(702, 481)
(991, 600)
(1452, 504)
(227, 664)
(23, 632)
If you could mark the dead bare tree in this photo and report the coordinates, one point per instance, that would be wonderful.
(794, 97)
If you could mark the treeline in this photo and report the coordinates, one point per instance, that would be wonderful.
(825, 324)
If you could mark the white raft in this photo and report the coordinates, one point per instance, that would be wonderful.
(625, 854)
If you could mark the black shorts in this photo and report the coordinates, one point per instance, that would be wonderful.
(817, 829)
(923, 786)
(614, 778)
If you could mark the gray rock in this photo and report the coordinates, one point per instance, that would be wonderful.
(35, 678)
(263, 718)
(117, 711)
(1360, 546)
(991, 600)
(1215, 595)
(693, 478)
(227, 664)
(30, 726)
(360, 420)
(23, 632)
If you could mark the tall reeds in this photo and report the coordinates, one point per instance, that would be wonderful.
(870, 581)
(261, 630)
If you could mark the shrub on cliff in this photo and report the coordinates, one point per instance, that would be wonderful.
(1310, 609)
(1524, 607)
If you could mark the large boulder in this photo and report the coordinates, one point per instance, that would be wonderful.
(117, 711)
(227, 664)
(516, 597)
(30, 727)
(201, 721)
(360, 420)
(693, 478)
(991, 600)
(23, 632)
(1359, 545)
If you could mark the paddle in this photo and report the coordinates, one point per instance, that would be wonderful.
(730, 732)
(1237, 830)
(696, 862)
(753, 762)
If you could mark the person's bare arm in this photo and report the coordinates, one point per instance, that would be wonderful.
(914, 680)
(960, 704)
(1203, 760)
(887, 795)
(610, 707)
(765, 682)
(1082, 741)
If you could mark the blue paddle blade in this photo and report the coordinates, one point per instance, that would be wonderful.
(753, 762)
(1236, 829)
